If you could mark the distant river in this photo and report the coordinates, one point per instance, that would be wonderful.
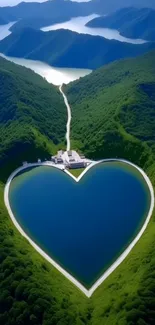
(83, 226)
(4, 30)
(78, 25)
(56, 76)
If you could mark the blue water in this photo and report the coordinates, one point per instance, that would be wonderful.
(84, 226)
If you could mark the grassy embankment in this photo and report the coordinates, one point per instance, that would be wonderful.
(76, 172)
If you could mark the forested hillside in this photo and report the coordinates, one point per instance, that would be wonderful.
(114, 106)
(64, 48)
(113, 115)
(2, 21)
(131, 22)
(32, 115)
(38, 15)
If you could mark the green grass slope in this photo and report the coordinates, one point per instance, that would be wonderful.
(32, 292)
(113, 108)
(32, 115)
(113, 112)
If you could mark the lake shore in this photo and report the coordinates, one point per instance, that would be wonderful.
(89, 292)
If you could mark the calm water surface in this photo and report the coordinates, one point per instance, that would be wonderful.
(78, 25)
(56, 76)
(4, 30)
(83, 226)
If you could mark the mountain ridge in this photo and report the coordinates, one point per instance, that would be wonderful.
(39, 15)
(131, 23)
(32, 116)
(64, 48)
(113, 115)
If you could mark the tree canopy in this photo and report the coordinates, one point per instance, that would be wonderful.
(32, 115)
(113, 115)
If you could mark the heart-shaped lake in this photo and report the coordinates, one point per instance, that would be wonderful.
(84, 226)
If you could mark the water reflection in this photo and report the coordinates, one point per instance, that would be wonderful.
(4, 30)
(78, 25)
(56, 76)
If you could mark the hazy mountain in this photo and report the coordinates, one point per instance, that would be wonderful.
(131, 22)
(40, 14)
(113, 114)
(64, 48)
(2, 21)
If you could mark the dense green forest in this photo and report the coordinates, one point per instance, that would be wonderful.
(105, 123)
(115, 105)
(32, 115)
(38, 15)
(131, 22)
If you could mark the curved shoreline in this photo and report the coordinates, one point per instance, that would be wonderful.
(69, 118)
(119, 260)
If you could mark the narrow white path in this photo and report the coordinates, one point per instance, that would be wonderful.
(69, 118)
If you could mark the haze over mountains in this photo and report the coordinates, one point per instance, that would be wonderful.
(131, 22)
(41, 14)
(118, 3)
(63, 48)
(113, 115)
(31, 110)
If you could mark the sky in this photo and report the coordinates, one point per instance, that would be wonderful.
(15, 2)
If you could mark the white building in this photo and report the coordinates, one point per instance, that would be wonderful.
(73, 160)
(70, 159)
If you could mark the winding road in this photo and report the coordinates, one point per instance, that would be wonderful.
(69, 118)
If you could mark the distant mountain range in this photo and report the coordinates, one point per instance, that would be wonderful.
(38, 15)
(64, 48)
(131, 22)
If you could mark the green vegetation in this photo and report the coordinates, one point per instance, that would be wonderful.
(131, 22)
(105, 124)
(2, 21)
(113, 111)
(32, 116)
(76, 172)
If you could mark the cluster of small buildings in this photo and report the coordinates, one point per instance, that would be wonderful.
(71, 159)
(67, 159)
